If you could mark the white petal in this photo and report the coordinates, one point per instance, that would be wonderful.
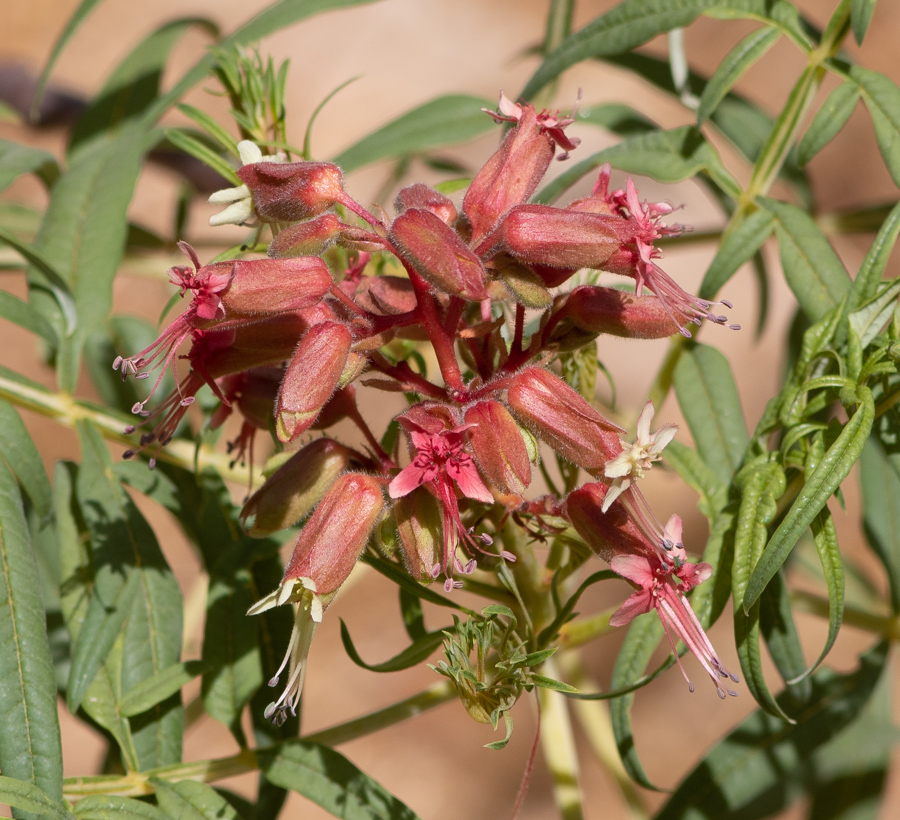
(662, 437)
(619, 466)
(235, 214)
(229, 195)
(249, 152)
(614, 492)
(643, 423)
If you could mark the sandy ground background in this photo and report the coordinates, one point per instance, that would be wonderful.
(406, 52)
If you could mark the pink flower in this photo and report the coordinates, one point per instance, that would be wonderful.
(442, 464)
(552, 124)
(662, 588)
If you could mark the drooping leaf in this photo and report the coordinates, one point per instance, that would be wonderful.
(616, 117)
(413, 655)
(16, 159)
(732, 68)
(779, 631)
(30, 801)
(16, 310)
(870, 272)
(447, 120)
(829, 119)
(869, 320)
(738, 247)
(190, 800)
(330, 780)
(759, 768)
(707, 395)
(156, 689)
(860, 15)
(812, 269)
(824, 480)
(881, 513)
(30, 748)
(882, 97)
(19, 451)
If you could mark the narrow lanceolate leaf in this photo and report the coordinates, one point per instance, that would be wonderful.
(19, 451)
(414, 654)
(29, 801)
(882, 97)
(824, 480)
(869, 321)
(669, 156)
(870, 272)
(881, 513)
(30, 747)
(811, 267)
(616, 117)
(330, 780)
(779, 631)
(829, 119)
(643, 637)
(200, 150)
(150, 692)
(737, 247)
(762, 765)
(732, 68)
(190, 800)
(130, 575)
(18, 311)
(707, 395)
(860, 15)
(443, 121)
(16, 160)
(110, 807)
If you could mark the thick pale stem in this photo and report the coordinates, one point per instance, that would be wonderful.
(558, 744)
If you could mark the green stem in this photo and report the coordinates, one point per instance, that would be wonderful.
(584, 630)
(558, 743)
(886, 626)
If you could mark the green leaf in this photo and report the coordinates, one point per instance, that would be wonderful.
(18, 311)
(640, 643)
(882, 97)
(549, 683)
(31, 801)
(16, 159)
(20, 453)
(707, 395)
(190, 800)
(759, 768)
(616, 117)
(860, 15)
(156, 689)
(110, 807)
(829, 119)
(399, 576)
(130, 579)
(414, 654)
(737, 247)
(881, 512)
(811, 267)
(869, 320)
(872, 269)
(824, 480)
(199, 150)
(668, 156)
(212, 127)
(550, 632)
(732, 68)
(30, 747)
(447, 120)
(779, 631)
(331, 781)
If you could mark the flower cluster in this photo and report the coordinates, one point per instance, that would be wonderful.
(341, 299)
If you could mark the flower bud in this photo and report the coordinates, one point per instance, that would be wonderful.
(420, 527)
(312, 377)
(306, 238)
(438, 255)
(276, 285)
(606, 533)
(427, 199)
(510, 176)
(559, 238)
(560, 416)
(292, 191)
(605, 310)
(337, 532)
(522, 283)
(295, 488)
(385, 295)
(498, 447)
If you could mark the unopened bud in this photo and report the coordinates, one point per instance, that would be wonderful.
(525, 286)
(605, 310)
(312, 377)
(420, 526)
(498, 447)
(438, 255)
(606, 533)
(421, 196)
(292, 491)
(306, 238)
(337, 532)
(276, 285)
(562, 418)
(292, 191)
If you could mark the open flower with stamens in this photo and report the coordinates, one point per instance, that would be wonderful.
(638, 456)
(661, 587)
(550, 123)
(443, 465)
(239, 200)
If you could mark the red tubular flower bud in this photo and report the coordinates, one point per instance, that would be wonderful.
(427, 199)
(337, 533)
(306, 238)
(385, 295)
(438, 255)
(559, 238)
(292, 191)
(292, 491)
(560, 416)
(606, 533)
(498, 447)
(312, 377)
(420, 526)
(510, 176)
(605, 310)
(276, 285)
